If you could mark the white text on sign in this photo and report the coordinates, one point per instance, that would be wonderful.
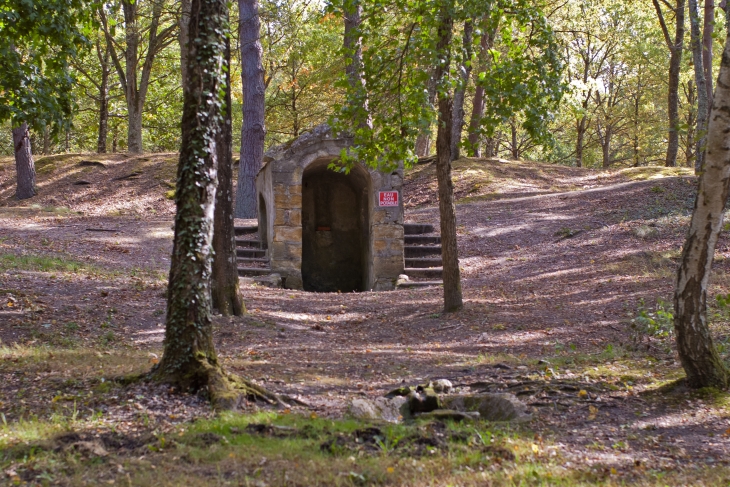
(388, 198)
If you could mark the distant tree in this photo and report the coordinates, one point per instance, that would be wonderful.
(697, 352)
(224, 278)
(697, 46)
(37, 39)
(139, 18)
(253, 132)
(676, 48)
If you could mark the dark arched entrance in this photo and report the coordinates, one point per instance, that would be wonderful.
(335, 226)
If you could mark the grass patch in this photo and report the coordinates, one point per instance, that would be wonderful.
(44, 264)
(654, 172)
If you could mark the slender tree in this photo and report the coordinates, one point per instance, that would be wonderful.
(699, 72)
(225, 289)
(126, 57)
(676, 47)
(253, 131)
(24, 163)
(465, 66)
(699, 357)
(708, 27)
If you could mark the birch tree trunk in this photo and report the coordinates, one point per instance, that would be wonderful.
(254, 129)
(224, 281)
(697, 352)
(453, 300)
(24, 163)
(702, 105)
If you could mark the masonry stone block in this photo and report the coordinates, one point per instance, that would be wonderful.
(284, 233)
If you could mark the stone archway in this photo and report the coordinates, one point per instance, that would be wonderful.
(335, 228)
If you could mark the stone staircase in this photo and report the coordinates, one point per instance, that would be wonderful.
(423, 256)
(253, 259)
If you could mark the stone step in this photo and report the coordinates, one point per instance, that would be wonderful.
(251, 253)
(245, 229)
(416, 284)
(421, 250)
(248, 243)
(252, 260)
(422, 240)
(417, 228)
(422, 262)
(253, 271)
(430, 272)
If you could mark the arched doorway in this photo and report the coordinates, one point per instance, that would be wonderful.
(263, 223)
(335, 228)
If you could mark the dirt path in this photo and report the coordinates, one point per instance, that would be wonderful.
(551, 285)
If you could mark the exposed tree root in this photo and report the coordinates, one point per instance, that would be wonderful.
(226, 392)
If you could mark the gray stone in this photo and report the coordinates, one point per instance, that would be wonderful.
(383, 408)
(449, 414)
(442, 385)
(491, 406)
(272, 280)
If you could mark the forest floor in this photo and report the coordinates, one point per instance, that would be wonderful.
(567, 278)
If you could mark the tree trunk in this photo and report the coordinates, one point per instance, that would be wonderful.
(189, 361)
(46, 140)
(352, 41)
(24, 163)
(103, 100)
(183, 37)
(477, 111)
(449, 250)
(581, 133)
(702, 107)
(701, 362)
(224, 280)
(253, 130)
(675, 68)
(515, 144)
(606, 146)
(707, 41)
(423, 141)
(460, 92)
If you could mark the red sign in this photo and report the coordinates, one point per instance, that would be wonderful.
(388, 198)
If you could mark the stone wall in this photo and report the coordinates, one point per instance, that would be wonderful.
(279, 184)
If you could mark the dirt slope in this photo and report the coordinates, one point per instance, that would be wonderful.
(559, 266)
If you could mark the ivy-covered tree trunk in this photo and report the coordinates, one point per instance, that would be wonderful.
(189, 361)
(24, 163)
(225, 290)
(254, 129)
(702, 105)
(701, 362)
(449, 251)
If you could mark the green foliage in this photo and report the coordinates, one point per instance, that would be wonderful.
(37, 39)
(400, 50)
(658, 322)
